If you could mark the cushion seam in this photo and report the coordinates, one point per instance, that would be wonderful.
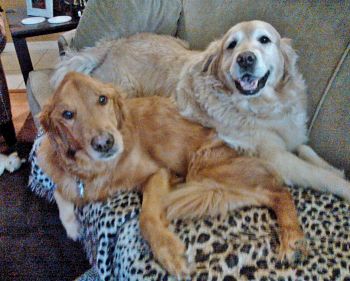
(328, 87)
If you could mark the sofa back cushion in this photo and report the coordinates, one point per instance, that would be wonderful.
(320, 33)
(118, 18)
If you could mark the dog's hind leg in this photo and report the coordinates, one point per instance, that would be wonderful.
(235, 182)
(306, 153)
(167, 248)
(84, 61)
(296, 171)
(212, 197)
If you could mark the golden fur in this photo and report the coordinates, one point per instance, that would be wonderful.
(270, 123)
(151, 138)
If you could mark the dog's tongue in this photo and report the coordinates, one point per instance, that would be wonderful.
(248, 83)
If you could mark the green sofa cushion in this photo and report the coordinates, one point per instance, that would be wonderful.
(117, 18)
(330, 135)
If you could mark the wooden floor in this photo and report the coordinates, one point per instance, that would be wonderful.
(33, 243)
(43, 55)
(19, 108)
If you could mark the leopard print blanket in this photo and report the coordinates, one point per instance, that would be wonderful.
(240, 246)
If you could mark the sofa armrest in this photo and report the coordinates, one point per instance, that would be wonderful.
(38, 91)
(64, 41)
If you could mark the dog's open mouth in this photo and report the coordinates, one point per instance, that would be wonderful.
(108, 155)
(249, 85)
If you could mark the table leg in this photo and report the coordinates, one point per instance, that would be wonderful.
(8, 132)
(23, 56)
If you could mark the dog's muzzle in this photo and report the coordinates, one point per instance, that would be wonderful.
(250, 85)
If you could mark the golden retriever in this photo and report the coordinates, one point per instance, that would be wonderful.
(96, 143)
(245, 85)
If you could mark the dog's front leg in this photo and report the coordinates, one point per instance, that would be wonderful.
(166, 247)
(67, 216)
(296, 171)
(306, 153)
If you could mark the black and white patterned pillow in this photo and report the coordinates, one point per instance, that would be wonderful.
(39, 182)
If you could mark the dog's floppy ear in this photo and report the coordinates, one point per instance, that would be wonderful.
(48, 124)
(59, 136)
(211, 58)
(290, 57)
(45, 117)
(118, 103)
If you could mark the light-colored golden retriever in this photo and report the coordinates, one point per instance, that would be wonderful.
(245, 85)
(96, 143)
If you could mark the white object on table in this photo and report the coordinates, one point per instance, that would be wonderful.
(59, 19)
(33, 20)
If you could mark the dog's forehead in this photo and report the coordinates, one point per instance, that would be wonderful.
(68, 95)
(254, 28)
(75, 88)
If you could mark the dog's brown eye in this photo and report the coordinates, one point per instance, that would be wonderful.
(102, 100)
(232, 45)
(264, 40)
(68, 114)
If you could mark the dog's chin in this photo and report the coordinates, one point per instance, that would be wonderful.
(249, 85)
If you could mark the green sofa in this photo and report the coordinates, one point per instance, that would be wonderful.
(242, 245)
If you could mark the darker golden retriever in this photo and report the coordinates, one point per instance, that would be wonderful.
(95, 137)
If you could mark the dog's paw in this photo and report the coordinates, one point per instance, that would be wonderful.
(73, 229)
(337, 172)
(306, 153)
(293, 246)
(170, 253)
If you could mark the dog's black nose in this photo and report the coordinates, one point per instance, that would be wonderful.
(246, 60)
(102, 143)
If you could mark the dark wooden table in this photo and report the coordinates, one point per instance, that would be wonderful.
(20, 32)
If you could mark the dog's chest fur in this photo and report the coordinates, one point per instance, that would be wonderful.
(240, 122)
